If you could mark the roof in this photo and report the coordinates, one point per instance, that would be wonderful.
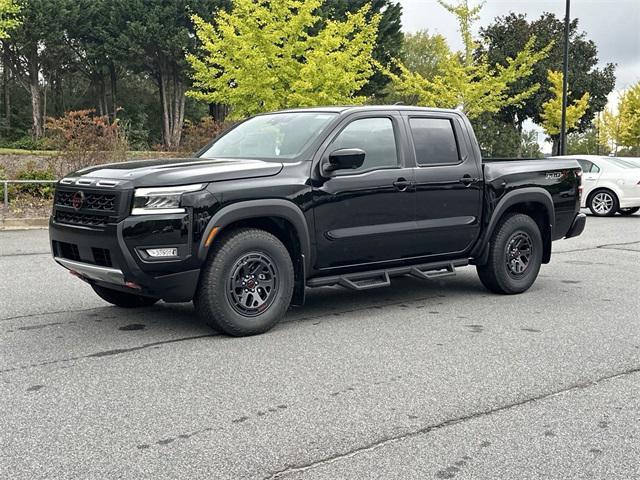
(365, 108)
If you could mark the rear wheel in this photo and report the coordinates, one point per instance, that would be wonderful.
(603, 203)
(628, 211)
(123, 299)
(515, 255)
(247, 283)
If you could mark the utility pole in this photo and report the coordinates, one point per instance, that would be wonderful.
(565, 73)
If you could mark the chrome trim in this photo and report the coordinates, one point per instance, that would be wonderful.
(93, 272)
(106, 183)
(155, 211)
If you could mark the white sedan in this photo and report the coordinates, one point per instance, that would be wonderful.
(610, 184)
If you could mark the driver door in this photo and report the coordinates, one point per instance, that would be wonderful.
(366, 215)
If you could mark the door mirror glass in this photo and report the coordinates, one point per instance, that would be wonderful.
(345, 159)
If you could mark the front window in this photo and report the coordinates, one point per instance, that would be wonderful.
(276, 136)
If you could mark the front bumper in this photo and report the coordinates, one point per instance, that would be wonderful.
(111, 256)
(577, 227)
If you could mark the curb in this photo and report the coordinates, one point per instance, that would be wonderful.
(23, 223)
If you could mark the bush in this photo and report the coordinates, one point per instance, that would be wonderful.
(27, 142)
(37, 190)
(197, 135)
(84, 139)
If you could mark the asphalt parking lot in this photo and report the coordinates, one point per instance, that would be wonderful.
(419, 380)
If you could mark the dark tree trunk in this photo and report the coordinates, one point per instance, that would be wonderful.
(555, 149)
(218, 111)
(172, 99)
(6, 87)
(113, 77)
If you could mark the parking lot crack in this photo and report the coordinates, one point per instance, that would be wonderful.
(291, 469)
(106, 353)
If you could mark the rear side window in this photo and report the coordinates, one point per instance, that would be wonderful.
(434, 140)
(588, 167)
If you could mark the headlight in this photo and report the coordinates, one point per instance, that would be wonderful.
(155, 200)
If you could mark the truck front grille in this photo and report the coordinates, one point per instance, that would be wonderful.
(66, 250)
(83, 219)
(102, 257)
(105, 202)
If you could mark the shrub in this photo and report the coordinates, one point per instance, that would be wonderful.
(196, 135)
(26, 142)
(84, 139)
(38, 190)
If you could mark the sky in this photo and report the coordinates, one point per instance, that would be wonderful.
(614, 26)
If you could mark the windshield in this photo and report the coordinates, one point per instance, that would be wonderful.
(277, 136)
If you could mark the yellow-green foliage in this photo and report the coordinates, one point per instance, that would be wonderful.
(552, 109)
(467, 82)
(9, 10)
(263, 56)
(621, 127)
(629, 111)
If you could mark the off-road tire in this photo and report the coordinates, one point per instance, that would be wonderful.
(123, 299)
(213, 300)
(497, 275)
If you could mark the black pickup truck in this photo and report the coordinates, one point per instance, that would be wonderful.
(348, 196)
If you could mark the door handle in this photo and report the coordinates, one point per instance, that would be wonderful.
(402, 184)
(467, 180)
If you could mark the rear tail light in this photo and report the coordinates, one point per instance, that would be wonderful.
(579, 175)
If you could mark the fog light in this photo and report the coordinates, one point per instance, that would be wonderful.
(162, 252)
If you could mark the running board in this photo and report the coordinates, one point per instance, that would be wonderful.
(382, 278)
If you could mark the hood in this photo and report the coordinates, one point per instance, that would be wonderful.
(179, 171)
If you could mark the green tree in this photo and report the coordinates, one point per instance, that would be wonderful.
(552, 109)
(9, 10)
(621, 125)
(629, 111)
(262, 57)
(508, 35)
(470, 82)
(30, 47)
(586, 143)
(424, 54)
(155, 36)
(388, 42)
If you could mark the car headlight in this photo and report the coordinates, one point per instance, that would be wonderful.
(156, 200)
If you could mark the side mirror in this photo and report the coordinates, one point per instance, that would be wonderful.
(344, 159)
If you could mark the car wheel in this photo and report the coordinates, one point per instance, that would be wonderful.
(515, 255)
(246, 286)
(603, 203)
(628, 211)
(123, 299)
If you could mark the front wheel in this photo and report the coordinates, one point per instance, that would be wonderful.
(123, 299)
(628, 211)
(247, 283)
(603, 203)
(515, 256)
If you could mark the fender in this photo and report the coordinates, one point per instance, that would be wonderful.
(521, 195)
(256, 209)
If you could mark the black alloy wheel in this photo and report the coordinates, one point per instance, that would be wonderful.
(253, 284)
(518, 254)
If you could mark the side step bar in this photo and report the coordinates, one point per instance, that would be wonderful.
(382, 278)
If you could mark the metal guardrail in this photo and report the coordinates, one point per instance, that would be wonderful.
(6, 188)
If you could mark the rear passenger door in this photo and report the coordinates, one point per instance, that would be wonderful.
(448, 183)
(590, 176)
